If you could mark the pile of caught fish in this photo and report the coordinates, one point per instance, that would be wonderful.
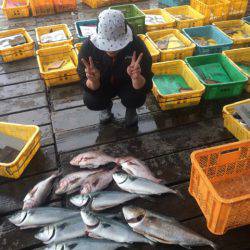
(87, 228)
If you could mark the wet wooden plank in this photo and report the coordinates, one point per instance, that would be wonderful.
(170, 140)
(47, 137)
(35, 117)
(67, 96)
(20, 104)
(12, 193)
(43, 161)
(17, 66)
(76, 118)
(21, 89)
(20, 76)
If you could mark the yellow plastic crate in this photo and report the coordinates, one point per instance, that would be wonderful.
(42, 7)
(179, 100)
(237, 55)
(17, 11)
(237, 8)
(48, 29)
(213, 10)
(28, 133)
(54, 77)
(155, 53)
(240, 24)
(20, 51)
(78, 47)
(97, 3)
(196, 19)
(232, 124)
(172, 54)
(170, 22)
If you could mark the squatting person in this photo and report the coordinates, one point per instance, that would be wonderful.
(114, 62)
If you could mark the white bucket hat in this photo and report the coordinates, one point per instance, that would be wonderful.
(112, 32)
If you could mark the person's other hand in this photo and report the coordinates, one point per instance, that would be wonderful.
(134, 69)
(92, 73)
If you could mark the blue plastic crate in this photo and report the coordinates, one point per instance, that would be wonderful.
(210, 32)
(246, 19)
(174, 2)
(78, 24)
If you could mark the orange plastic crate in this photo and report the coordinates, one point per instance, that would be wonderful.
(220, 180)
(42, 7)
(64, 5)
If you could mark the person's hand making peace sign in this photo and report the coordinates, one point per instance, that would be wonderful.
(134, 69)
(92, 73)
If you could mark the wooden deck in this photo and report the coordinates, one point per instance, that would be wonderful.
(163, 139)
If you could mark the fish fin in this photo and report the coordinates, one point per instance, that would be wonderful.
(161, 181)
(185, 246)
(106, 225)
(152, 239)
(72, 246)
(147, 197)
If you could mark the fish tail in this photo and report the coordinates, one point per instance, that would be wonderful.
(57, 173)
(178, 193)
(213, 245)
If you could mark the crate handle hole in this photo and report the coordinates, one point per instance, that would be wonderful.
(229, 151)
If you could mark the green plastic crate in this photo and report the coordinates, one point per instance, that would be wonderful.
(218, 90)
(134, 16)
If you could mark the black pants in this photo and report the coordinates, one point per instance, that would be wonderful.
(102, 98)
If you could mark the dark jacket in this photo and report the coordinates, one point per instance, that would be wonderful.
(116, 72)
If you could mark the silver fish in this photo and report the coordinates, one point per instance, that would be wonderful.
(160, 228)
(67, 229)
(39, 193)
(86, 244)
(140, 185)
(102, 200)
(92, 159)
(97, 181)
(41, 216)
(137, 168)
(110, 229)
(72, 182)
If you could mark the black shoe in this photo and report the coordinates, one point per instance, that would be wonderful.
(131, 118)
(106, 115)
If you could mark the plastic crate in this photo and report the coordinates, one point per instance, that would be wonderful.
(64, 5)
(170, 22)
(48, 29)
(28, 133)
(172, 54)
(213, 10)
(174, 2)
(20, 51)
(239, 24)
(210, 32)
(58, 76)
(219, 90)
(77, 47)
(215, 172)
(247, 19)
(196, 19)
(78, 24)
(237, 8)
(155, 53)
(97, 3)
(42, 7)
(179, 100)
(134, 16)
(232, 124)
(237, 55)
(17, 11)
